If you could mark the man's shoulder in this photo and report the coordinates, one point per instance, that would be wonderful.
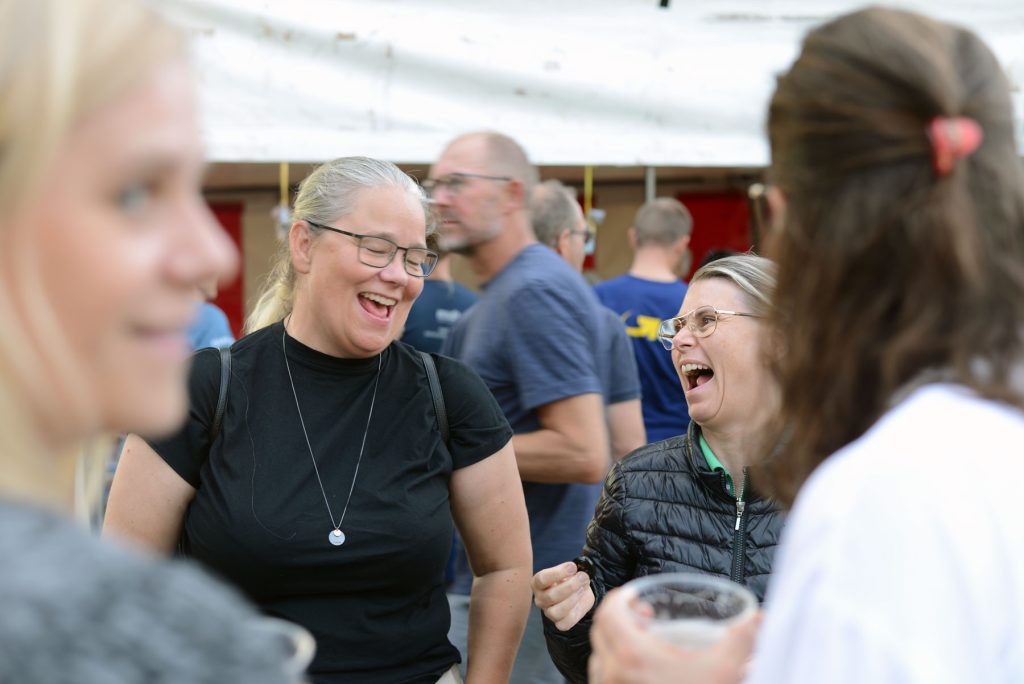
(445, 290)
(539, 264)
(210, 312)
(540, 272)
(612, 318)
(617, 292)
(650, 297)
(630, 283)
(613, 284)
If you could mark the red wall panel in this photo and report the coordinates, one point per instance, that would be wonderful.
(721, 220)
(231, 297)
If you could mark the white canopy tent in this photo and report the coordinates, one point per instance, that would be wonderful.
(602, 82)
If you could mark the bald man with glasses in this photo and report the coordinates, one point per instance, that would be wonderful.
(534, 337)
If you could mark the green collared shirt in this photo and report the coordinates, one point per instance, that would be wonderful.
(714, 463)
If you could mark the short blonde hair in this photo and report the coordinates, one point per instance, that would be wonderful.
(752, 274)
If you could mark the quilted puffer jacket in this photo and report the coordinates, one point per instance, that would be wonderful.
(664, 510)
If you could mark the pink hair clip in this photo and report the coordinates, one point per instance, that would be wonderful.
(952, 138)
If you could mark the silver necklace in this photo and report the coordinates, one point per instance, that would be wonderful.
(335, 536)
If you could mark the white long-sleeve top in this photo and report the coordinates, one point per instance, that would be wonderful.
(903, 558)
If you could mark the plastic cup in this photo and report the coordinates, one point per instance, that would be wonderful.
(691, 610)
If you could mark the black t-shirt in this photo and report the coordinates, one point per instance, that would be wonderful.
(376, 604)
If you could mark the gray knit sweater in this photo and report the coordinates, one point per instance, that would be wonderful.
(78, 610)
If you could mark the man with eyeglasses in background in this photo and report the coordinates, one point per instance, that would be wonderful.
(558, 222)
(650, 292)
(534, 337)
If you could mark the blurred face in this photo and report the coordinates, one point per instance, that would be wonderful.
(122, 240)
(576, 249)
(358, 310)
(723, 375)
(468, 207)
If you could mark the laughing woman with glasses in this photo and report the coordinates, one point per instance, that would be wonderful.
(328, 493)
(686, 503)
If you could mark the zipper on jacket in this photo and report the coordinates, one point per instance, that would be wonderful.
(739, 535)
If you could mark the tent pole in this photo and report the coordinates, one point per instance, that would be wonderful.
(588, 190)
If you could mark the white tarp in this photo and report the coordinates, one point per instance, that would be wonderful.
(613, 82)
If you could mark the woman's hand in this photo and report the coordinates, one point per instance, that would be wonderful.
(563, 593)
(626, 653)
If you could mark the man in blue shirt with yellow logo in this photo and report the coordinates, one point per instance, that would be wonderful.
(651, 292)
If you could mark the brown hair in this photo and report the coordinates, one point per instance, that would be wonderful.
(886, 268)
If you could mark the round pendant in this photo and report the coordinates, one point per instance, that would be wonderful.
(336, 537)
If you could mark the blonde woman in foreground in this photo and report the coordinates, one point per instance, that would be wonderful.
(103, 240)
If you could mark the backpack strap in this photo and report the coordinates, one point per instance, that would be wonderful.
(435, 394)
(218, 418)
(222, 394)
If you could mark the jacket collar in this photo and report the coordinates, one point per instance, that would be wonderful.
(712, 480)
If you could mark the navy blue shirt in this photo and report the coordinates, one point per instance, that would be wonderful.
(536, 336)
(622, 379)
(643, 304)
(434, 313)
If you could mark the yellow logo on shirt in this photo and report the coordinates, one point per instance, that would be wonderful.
(646, 326)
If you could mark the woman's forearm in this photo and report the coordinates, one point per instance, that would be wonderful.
(498, 609)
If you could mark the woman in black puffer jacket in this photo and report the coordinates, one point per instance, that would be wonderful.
(684, 504)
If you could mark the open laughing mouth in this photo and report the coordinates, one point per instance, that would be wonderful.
(695, 375)
(377, 305)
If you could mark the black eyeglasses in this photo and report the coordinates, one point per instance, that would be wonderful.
(587, 234)
(455, 182)
(379, 252)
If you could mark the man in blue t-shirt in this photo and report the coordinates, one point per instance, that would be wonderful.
(437, 308)
(648, 294)
(558, 222)
(534, 337)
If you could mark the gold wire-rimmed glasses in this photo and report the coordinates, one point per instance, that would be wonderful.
(702, 321)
